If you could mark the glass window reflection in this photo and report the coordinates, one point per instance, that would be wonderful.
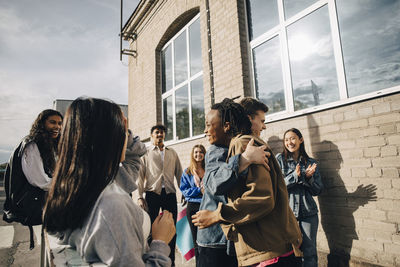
(312, 63)
(180, 58)
(195, 47)
(262, 16)
(268, 75)
(293, 7)
(168, 117)
(371, 44)
(166, 69)
(182, 112)
(197, 106)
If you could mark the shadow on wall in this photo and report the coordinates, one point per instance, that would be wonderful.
(337, 205)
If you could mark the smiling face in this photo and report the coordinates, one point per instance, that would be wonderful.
(53, 125)
(215, 132)
(198, 154)
(292, 142)
(258, 123)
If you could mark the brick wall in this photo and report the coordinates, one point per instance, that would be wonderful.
(358, 151)
(357, 145)
(164, 20)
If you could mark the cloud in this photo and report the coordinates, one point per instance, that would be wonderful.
(55, 49)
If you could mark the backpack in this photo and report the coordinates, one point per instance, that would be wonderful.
(24, 202)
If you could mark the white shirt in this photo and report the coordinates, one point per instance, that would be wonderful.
(32, 166)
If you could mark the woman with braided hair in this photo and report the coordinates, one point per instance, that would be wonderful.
(225, 120)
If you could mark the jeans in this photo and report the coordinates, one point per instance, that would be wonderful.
(215, 257)
(165, 202)
(192, 208)
(309, 228)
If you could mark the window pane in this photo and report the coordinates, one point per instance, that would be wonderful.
(292, 7)
(182, 112)
(262, 16)
(312, 63)
(166, 69)
(268, 75)
(168, 117)
(197, 106)
(195, 47)
(370, 37)
(180, 58)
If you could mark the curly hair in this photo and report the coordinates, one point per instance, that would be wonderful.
(234, 114)
(46, 144)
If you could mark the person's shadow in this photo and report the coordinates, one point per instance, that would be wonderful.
(336, 204)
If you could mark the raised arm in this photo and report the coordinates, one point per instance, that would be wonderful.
(129, 169)
(314, 184)
(220, 176)
(290, 175)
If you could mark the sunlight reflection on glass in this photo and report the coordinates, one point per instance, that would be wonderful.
(300, 47)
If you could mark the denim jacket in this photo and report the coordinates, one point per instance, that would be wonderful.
(301, 190)
(188, 187)
(219, 177)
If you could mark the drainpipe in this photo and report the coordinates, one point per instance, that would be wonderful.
(210, 61)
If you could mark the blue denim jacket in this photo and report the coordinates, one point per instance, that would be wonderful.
(300, 189)
(188, 187)
(219, 177)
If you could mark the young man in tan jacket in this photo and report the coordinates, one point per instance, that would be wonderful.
(257, 216)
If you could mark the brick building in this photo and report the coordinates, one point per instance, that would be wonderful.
(330, 68)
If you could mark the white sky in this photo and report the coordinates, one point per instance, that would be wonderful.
(57, 49)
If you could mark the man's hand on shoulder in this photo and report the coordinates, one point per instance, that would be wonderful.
(255, 155)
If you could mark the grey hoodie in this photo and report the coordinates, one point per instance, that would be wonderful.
(113, 232)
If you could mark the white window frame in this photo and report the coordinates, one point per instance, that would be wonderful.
(171, 92)
(281, 32)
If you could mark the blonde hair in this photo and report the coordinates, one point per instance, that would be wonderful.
(193, 163)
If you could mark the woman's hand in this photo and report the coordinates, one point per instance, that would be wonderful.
(298, 171)
(163, 227)
(205, 218)
(311, 170)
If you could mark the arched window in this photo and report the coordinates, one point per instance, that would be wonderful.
(182, 83)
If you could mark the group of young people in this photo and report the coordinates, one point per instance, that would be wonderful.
(242, 210)
(252, 213)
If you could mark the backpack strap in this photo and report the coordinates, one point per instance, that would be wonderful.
(31, 240)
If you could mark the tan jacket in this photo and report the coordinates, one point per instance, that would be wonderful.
(153, 171)
(258, 217)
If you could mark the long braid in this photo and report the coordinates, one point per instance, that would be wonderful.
(234, 114)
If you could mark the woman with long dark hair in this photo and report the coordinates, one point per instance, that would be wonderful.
(192, 187)
(86, 207)
(40, 149)
(30, 170)
(303, 181)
